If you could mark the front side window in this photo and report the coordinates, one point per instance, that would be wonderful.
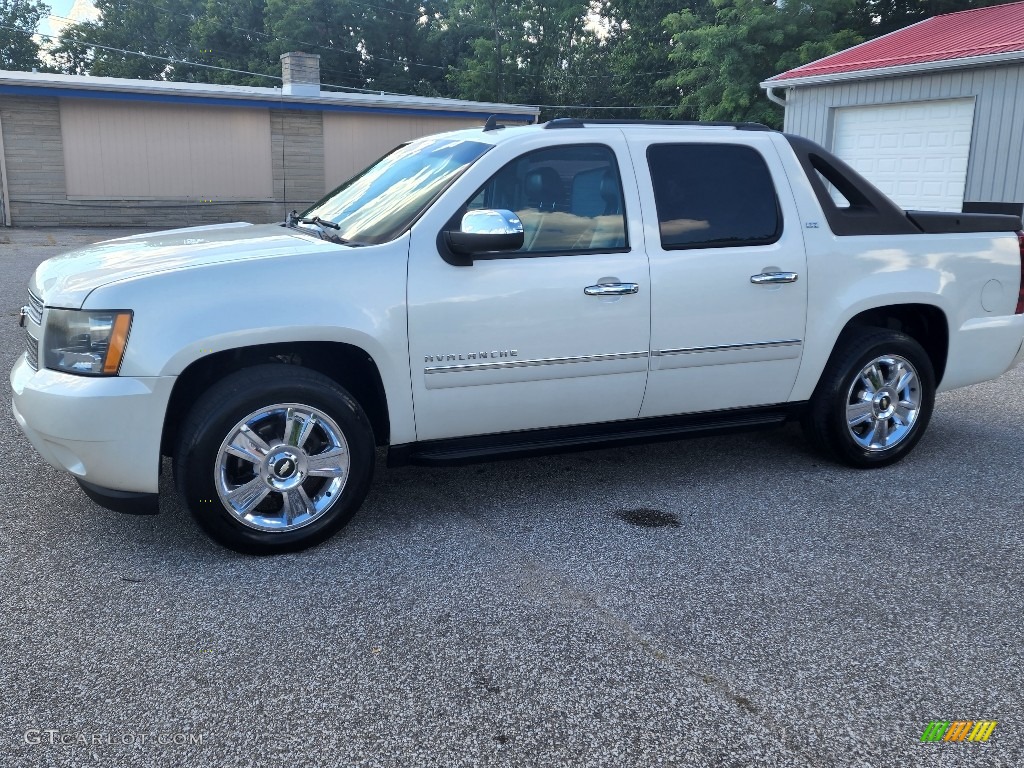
(569, 199)
(713, 196)
(383, 201)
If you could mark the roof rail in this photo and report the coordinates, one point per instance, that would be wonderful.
(572, 122)
(564, 122)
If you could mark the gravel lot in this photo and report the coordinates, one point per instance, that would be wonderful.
(782, 612)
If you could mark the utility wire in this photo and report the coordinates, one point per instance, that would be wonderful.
(268, 36)
(366, 55)
(193, 18)
(330, 70)
(585, 106)
(139, 53)
(361, 5)
(184, 62)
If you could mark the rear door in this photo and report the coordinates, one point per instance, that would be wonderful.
(728, 271)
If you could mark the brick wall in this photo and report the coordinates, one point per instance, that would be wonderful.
(34, 155)
(297, 153)
(300, 68)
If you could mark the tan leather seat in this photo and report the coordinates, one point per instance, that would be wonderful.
(609, 227)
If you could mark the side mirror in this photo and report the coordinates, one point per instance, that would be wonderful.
(486, 230)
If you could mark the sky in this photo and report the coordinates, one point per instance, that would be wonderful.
(61, 10)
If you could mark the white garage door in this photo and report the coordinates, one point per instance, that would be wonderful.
(915, 152)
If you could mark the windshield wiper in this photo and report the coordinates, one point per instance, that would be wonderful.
(319, 222)
(293, 220)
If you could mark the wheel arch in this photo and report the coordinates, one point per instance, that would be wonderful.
(348, 365)
(835, 420)
(927, 324)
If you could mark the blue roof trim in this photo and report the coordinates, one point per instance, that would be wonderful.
(169, 98)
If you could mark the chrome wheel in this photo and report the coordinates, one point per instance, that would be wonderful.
(282, 467)
(883, 403)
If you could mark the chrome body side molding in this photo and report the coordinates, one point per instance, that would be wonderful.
(529, 363)
(539, 369)
(725, 354)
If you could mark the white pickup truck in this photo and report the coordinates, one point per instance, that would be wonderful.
(495, 292)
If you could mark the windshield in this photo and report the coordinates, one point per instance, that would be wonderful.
(380, 203)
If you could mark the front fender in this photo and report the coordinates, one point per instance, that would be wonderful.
(353, 296)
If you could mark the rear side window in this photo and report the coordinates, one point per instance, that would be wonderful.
(713, 196)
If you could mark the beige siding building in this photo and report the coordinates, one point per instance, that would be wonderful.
(82, 151)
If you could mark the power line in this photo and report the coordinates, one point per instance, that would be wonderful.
(366, 55)
(268, 36)
(591, 106)
(144, 55)
(330, 85)
(343, 73)
(172, 47)
(186, 62)
(361, 5)
(221, 25)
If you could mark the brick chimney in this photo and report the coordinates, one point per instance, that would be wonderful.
(300, 73)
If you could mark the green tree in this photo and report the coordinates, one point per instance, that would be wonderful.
(394, 40)
(329, 28)
(164, 32)
(879, 17)
(19, 19)
(534, 51)
(638, 44)
(486, 69)
(73, 53)
(720, 64)
(233, 35)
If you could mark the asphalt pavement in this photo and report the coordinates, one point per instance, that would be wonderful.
(731, 601)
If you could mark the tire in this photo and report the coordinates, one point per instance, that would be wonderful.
(250, 489)
(874, 400)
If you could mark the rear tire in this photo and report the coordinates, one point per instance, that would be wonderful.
(874, 400)
(274, 458)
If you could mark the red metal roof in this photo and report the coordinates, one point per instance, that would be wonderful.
(977, 32)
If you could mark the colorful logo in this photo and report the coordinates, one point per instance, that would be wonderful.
(958, 730)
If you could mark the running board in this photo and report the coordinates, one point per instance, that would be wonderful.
(469, 450)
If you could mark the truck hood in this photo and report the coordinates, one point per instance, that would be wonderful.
(66, 281)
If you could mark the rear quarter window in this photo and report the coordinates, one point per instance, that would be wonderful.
(713, 196)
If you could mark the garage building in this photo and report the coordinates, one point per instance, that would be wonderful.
(82, 151)
(932, 114)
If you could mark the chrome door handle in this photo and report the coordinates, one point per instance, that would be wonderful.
(612, 289)
(774, 277)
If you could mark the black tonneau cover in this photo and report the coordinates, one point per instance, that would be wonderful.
(937, 223)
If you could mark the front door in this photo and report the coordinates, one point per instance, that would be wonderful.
(514, 341)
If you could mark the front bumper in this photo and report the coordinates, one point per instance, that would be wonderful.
(105, 431)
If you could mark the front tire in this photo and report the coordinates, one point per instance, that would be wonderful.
(274, 458)
(874, 400)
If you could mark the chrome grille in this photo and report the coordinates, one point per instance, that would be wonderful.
(35, 308)
(31, 350)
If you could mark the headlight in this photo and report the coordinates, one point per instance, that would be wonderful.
(87, 341)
